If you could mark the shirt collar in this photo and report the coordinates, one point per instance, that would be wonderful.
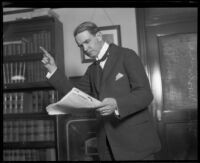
(102, 51)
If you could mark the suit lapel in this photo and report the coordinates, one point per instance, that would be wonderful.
(109, 65)
(111, 61)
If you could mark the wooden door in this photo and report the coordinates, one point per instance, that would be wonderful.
(169, 52)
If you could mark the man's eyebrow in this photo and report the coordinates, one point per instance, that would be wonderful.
(86, 41)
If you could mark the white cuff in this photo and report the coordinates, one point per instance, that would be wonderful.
(50, 74)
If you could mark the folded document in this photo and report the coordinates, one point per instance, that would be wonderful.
(72, 102)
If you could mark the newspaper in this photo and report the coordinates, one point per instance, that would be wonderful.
(72, 102)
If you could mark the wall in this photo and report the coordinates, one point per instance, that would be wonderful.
(71, 17)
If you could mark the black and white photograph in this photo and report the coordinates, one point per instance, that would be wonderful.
(99, 83)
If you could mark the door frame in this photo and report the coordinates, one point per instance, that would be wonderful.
(156, 107)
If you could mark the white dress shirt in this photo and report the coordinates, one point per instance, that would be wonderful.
(101, 54)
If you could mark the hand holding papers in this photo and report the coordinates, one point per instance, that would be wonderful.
(74, 101)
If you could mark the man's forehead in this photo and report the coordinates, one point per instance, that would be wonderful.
(84, 33)
(83, 36)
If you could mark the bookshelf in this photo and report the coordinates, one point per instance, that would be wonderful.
(29, 133)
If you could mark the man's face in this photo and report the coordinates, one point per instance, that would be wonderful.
(91, 44)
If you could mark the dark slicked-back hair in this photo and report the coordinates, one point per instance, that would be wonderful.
(86, 26)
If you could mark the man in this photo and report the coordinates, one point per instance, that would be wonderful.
(125, 129)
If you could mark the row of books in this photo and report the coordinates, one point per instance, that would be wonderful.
(20, 72)
(27, 45)
(48, 154)
(40, 99)
(28, 102)
(28, 130)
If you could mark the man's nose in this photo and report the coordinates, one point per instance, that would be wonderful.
(85, 47)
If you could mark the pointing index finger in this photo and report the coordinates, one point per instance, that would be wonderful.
(45, 52)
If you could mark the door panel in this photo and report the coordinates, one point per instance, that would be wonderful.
(178, 63)
(174, 84)
(171, 59)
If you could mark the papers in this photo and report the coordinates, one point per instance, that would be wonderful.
(74, 101)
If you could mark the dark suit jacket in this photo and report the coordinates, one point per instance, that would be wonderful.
(132, 135)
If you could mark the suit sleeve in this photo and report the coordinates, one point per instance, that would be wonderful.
(61, 83)
(140, 95)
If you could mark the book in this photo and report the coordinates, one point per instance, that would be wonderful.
(4, 74)
(50, 154)
(75, 101)
(5, 131)
(12, 42)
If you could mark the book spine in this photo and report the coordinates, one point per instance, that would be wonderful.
(28, 71)
(28, 47)
(10, 103)
(21, 131)
(32, 130)
(28, 130)
(45, 40)
(14, 72)
(39, 39)
(42, 43)
(52, 131)
(10, 131)
(7, 73)
(5, 131)
(24, 131)
(4, 103)
(11, 72)
(35, 42)
(15, 103)
(24, 71)
(17, 158)
(9, 50)
(50, 154)
(48, 41)
(4, 50)
(46, 130)
(20, 71)
(31, 46)
(37, 72)
(32, 71)
(15, 131)
(33, 101)
(21, 102)
(23, 48)
(4, 74)
(40, 129)
(40, 100)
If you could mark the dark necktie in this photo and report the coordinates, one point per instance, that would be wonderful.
(99, 70)
(102, 59)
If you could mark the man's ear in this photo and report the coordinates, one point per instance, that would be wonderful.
(99, 36)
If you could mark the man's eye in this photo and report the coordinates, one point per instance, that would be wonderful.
(80, 46)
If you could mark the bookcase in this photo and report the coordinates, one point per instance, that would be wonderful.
(29, 133)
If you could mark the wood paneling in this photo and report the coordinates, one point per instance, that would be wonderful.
(169, 52)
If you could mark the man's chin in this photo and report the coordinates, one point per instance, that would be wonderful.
(92, 56)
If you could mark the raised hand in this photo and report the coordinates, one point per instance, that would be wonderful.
(48, 61)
